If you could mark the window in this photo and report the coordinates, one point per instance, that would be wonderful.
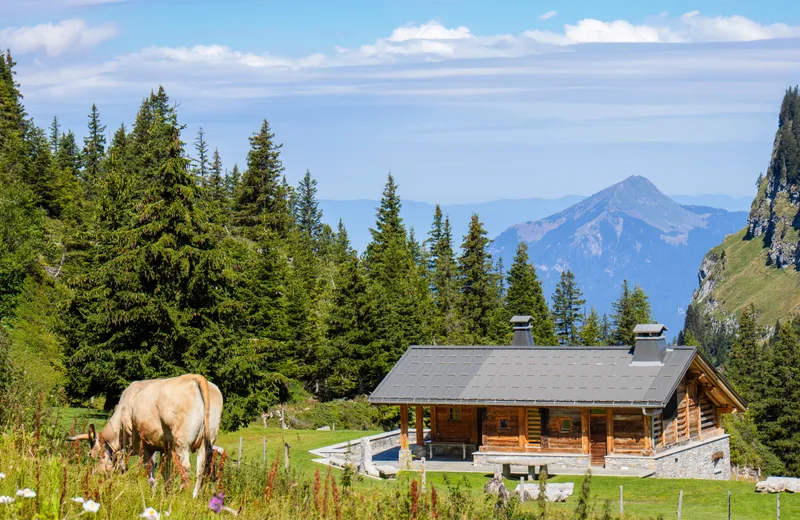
(454, 415)
(566, 425)
(503, 424)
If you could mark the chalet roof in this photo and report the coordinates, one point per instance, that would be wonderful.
(533, 376)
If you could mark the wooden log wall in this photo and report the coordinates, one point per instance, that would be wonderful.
(508, 437)
(629, 432)
(572, 441)
(455, 431)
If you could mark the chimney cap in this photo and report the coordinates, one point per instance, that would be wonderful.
(647, 329)
(522, 321)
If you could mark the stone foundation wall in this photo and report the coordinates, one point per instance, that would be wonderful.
(442, 450)
(379, 443)
(694, 460)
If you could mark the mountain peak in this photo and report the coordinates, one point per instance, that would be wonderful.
(639, 198)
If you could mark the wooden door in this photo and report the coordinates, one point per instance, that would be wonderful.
(597, 438)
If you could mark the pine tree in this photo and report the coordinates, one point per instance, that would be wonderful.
(202, 167)
(94, 147)
(55, 135)
(216, 181)
(479, 288)
(448, 326)
(744, 366)
(567, 304)
(306, 209)
(232, 181)
(262, 202)
(526, 297)
(631, 309)
(605, 330)
(592, 330)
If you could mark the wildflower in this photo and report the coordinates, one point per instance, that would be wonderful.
(6, 499)
(90, 506)
(2, 476)
(77, 500)
(217, 502)
(150, 514)
(26, 493)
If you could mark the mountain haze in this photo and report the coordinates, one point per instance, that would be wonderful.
(630, 230)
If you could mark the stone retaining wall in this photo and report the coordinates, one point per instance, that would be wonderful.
(352, 449)
(694, 460)
(559, 460)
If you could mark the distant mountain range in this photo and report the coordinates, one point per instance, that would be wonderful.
(632, 231)
(359, 215)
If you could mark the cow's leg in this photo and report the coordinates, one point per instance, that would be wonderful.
(201, 466)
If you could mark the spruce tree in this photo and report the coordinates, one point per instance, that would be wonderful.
(592, 330)
(448, 325)
(262, 201)
(94, 147)
(480, 293)
(202, 167)
(567, 304)
(55, 135)
(306, 209)
(744, 365)
(526, 297)
(631, 309)
(216, 180)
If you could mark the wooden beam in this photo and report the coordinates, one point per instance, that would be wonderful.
(434, 424)
(420, 426)
(698, 411)
(585, 417)
(404, 426)
(648, 434)
(609, 430)
(523, 427)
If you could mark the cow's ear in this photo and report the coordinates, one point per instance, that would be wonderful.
(92, 435)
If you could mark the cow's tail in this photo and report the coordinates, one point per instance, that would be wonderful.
(207, 443)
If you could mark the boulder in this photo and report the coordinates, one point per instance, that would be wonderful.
(324, 429)
(779, 485)
(553, 492)
(495, 486)
(385, 471)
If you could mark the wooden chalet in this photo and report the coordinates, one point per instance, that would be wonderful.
(647, 406)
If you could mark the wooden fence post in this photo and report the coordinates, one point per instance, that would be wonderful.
(778, 496)
(286, 456)
(239, 460)
(424, 478)
(621, 507)
(729, 505)
(264, 439)
(680, 504)
(521, 489)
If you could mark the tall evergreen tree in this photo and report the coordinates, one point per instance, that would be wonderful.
(592, 330)
(55, 135)
(745, 364)
(526, 297)
(262, 204)
(448, 325)
(306, 209)
(479, 288)
(232, 181)
(202, 167)
(216, 180)
(631, 309)
(94, 146)
(567, 304)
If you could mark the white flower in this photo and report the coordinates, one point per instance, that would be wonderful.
(77, 500)
(90, 506)
(6, 499)
(26, 493)
(2, 476)
(150, 514)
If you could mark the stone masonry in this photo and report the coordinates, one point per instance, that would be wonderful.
(708, 459)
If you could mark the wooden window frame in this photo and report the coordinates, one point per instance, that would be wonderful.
(454, 414)
(562, 421)
(500, 424)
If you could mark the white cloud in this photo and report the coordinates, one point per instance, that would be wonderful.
(55, 39)
(429, 31)
(691, 27)
(547, 15)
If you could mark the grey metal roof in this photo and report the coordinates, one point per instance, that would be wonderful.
(649, 328)
(535, 376)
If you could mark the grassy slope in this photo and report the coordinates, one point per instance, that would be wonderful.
(747, 278)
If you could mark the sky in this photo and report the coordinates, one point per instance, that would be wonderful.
(462, 101)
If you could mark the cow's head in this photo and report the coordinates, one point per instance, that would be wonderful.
(98, 449)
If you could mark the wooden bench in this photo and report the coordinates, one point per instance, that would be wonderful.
(532, 463)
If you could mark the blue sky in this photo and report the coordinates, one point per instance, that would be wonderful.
(463, 101)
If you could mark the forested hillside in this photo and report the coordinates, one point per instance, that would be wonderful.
(133, 255)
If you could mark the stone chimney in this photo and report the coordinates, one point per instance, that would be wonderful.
(651, 343)
(522, 331)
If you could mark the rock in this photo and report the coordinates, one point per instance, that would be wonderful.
(779, 485)
(495, 486)
(386, 471)
(365, 465)
(553, 492)
(324, 429)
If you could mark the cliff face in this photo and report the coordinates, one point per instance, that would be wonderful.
(761, 263)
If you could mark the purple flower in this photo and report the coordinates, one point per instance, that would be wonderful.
(217, 502)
